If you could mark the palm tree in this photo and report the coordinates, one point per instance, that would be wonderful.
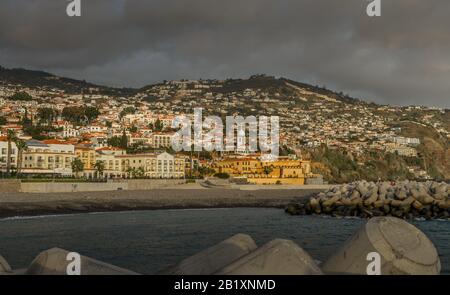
(99, 167)
(131, 172)
(10, 137)
(21, 145)
(267, 170)
(77, 166)
(140, 172)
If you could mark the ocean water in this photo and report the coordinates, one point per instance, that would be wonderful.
(148, 241)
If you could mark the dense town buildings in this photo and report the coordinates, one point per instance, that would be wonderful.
(144, 119)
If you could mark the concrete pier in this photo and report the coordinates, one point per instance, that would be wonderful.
(278, 257)
(214, 258)
(403, 249)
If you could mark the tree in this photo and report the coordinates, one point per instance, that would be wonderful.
(205, 171)
(133, 129)
(222, 175)
(130, 171)
(21, 95)
(99, 167)
(47, 115)
(91, 113)
(159, 126)
(21, 145)
(10, 137)
(77, 166)
(39, 132)
(267, 170)
(124, 140)
(73, 114)
(3, 121)
(140, 172)
(137, 148)
(127, 111)
(79, 114)
(115, 141)
(26, 122)
(135, 173)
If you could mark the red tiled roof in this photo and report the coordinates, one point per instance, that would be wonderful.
(55, 141)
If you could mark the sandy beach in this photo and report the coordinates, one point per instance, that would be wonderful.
(29, 204)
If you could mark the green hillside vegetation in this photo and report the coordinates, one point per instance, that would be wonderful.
(340, 167)
(434, 150)
(22, 96)
(40, 79)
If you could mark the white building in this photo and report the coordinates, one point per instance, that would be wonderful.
(4, 154)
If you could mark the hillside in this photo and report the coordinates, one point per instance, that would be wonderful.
(44, 80)
(434, 149)
(282, 88)
(360, 137)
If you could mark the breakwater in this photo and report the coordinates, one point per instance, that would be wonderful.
(405, 199)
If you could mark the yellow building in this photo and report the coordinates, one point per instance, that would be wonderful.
(283, 170)
(112, 164)
(48, 157)
(87, 155)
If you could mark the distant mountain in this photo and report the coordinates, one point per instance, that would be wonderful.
(44, 80)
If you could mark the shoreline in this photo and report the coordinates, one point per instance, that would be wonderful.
(36, 204)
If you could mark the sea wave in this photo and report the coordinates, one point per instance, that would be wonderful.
(37, 216)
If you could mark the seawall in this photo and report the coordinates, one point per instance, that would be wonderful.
(69, 187)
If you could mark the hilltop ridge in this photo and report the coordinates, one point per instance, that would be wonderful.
(40, 79)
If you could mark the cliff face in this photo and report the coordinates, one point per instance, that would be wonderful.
(434, 149)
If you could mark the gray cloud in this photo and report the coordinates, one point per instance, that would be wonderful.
(402, 57)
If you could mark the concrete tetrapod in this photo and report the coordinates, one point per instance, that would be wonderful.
(278, 257)
(214, 258)
(402, 247)
(4, 266)
(54, 262)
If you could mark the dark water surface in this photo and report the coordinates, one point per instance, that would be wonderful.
(148, 241)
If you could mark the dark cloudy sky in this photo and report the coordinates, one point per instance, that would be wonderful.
(402, 57)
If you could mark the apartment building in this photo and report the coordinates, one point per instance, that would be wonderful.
(112, 164)
(162, 165)
(4, 154)
(48, 157)
(162, 140)
(86, 154)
